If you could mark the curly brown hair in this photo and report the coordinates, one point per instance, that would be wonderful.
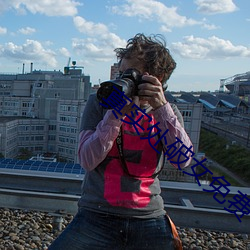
(152, 51)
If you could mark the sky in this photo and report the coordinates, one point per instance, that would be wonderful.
(208, 39)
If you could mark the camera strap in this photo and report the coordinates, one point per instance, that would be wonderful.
(119, 143)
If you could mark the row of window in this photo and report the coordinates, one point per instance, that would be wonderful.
(69, 108)
(67, 140)
(68, 118)
(22, 128)
(63, 107)
(27, 104)
(35, 149)
(9, 112)
(11, 131)
(31, 138)
(68, 151)
(5, 86)
(10, 104)
(13, 141)
(62, 139)
(51, 137)
(186, 113)
(67, 129)
(5, 93)
(31, 128)
(52, 127)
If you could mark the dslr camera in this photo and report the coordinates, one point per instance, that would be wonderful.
(128, 83)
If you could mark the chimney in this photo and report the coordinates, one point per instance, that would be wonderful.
(31, 67)
(23, 68)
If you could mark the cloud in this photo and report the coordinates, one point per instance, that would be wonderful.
(211, 7)
(27, 31)
(207, 26)
(100, 43)
(88, 27)
(63, 51)
(30, 51)
(3, 30)
(46, 7)
(155, 10)
(211, 48)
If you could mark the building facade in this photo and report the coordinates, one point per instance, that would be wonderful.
(40, 111)
(192, 115)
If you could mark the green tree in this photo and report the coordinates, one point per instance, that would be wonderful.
(234, 157)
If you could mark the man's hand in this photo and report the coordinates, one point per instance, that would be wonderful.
(152, 91)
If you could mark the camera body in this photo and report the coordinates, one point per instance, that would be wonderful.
(128, 83)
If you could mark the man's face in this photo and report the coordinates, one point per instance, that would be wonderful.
(131, 64)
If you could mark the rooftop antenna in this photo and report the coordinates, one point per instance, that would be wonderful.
(66, 68)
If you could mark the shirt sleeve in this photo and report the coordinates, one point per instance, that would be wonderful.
(170, 118)
(95, 145)
(98, 133)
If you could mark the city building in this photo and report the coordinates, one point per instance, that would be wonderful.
(192, 114)
(238, 85)
(40, 111)
(114, 72)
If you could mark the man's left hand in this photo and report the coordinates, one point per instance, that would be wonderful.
(151, 90)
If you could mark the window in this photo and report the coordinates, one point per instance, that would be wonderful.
(51, 137)
(52, 127)
(186, 113)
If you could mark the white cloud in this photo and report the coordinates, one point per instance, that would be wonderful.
(30, 51)
(207, 26)
(211, 48)
(100, 43)
(93, 48)
(27, 31)
(214, 6)
(46, 7)
(155, 10)
(3, 30)
(63, 51)
(88, 27)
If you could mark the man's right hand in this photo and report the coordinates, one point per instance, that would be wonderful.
(129, 107)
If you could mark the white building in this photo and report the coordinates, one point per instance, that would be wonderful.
(40, 111)
(192, 114)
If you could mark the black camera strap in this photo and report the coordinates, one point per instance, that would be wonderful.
(119, 142)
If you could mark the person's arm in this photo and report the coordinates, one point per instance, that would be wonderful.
(171, 119)
(94, 145)
(98, 133)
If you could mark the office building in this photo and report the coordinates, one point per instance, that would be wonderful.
(40, 111)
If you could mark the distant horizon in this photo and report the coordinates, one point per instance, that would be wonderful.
(93, 84)
(32, 66)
